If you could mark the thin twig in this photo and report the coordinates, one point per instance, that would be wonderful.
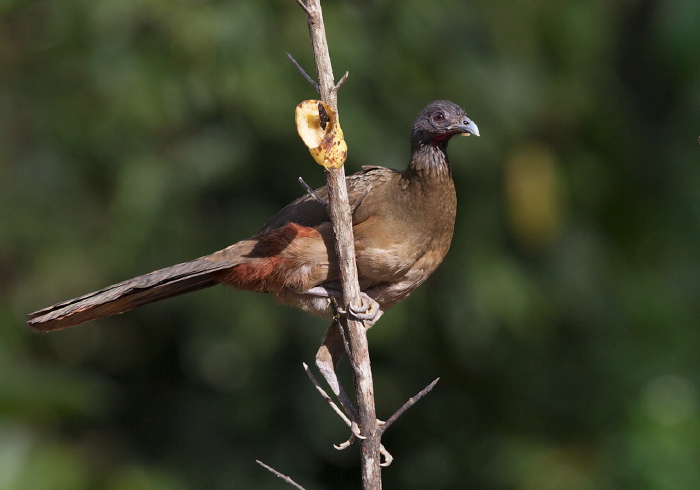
(388, 458)
(342, 395)
(304, 7)
(341, 81)
(325, 396)
(344, 336)
(313, 82)
(354, 429)
(411, 401)
(313, 193)
(280, 475)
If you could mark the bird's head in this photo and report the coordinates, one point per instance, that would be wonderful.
(438, 122)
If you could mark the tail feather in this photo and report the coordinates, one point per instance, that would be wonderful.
(124, 296)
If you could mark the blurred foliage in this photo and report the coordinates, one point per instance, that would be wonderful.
(565, 323)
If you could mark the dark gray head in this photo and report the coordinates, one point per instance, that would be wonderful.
(438, 122)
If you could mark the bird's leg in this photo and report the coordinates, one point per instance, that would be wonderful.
(368, 311)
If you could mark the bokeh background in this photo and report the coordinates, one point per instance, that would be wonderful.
(564, 323)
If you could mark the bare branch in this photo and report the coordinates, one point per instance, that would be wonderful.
(313, 193)
(280, 475)
(349, 420)
(313, 82)
(388, 458)
(411, 401)
(325, 396)
(341, 82)
(346, 342)
(304, 7)
(341, 218)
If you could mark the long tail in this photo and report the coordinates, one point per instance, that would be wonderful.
(124, 296)
(255, 264)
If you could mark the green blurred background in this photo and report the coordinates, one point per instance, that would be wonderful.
(564, 323)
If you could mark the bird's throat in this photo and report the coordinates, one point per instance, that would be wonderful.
(429, 161)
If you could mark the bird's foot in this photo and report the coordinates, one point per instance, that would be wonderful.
(386, 455)
(367, 311)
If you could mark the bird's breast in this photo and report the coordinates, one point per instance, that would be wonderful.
(387, 253)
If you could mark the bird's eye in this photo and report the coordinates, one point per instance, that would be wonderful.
(439, 116)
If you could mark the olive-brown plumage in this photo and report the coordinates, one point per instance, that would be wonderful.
(402, 221)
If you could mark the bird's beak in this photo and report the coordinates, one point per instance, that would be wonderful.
(465, 129)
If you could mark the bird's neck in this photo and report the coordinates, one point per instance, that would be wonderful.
(428, 199)
(429, 162)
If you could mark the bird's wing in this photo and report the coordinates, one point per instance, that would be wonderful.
(306, 211)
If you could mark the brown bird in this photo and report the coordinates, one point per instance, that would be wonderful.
(402, 221)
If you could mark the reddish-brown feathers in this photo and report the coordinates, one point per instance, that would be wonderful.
(271, 261)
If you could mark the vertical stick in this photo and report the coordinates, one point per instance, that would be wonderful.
(345, 251)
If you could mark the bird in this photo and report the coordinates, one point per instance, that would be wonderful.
(403, 222)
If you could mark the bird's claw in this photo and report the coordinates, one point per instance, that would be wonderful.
(353, 437)
(346, 444)
(386, 455)
(367, 311)
(388, 458)
(355, 429)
